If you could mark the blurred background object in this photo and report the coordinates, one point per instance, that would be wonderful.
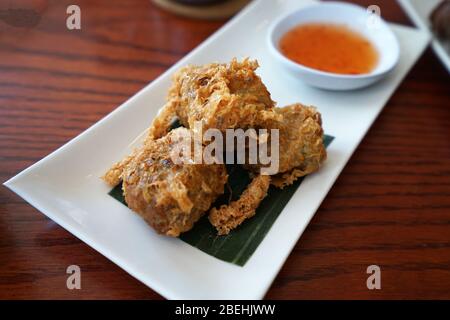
(199, 2)
(433, 16)
(22, 13)
(202, 9)
(440, 19)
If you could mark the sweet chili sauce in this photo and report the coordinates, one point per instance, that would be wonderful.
(329, 47)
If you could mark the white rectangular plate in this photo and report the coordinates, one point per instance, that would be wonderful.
(66, 186)
(419, 11)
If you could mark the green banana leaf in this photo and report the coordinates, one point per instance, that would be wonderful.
(239, 245)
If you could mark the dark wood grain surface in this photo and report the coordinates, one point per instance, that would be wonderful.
(389, 207)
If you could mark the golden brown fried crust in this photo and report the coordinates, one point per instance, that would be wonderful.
(170, 197)
(228, 217)
(221, 96)
(301, 138)
(301, 148)
(114, 175)
(161, 125)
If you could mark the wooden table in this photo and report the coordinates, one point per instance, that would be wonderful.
(389, 207)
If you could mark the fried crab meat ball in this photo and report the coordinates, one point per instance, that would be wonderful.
(301, 151)
(170, 197)
(221, 96)
(301, 148)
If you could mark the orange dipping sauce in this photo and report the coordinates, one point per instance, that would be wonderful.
(329, 47)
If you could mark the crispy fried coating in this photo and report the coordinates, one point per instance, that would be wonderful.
(161, 124)
(301, 143)
(221, 96)
(170, 197)
(114, 175)
(301, 148)
(228, 217)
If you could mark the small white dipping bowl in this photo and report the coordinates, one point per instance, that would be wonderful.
(356, 19)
